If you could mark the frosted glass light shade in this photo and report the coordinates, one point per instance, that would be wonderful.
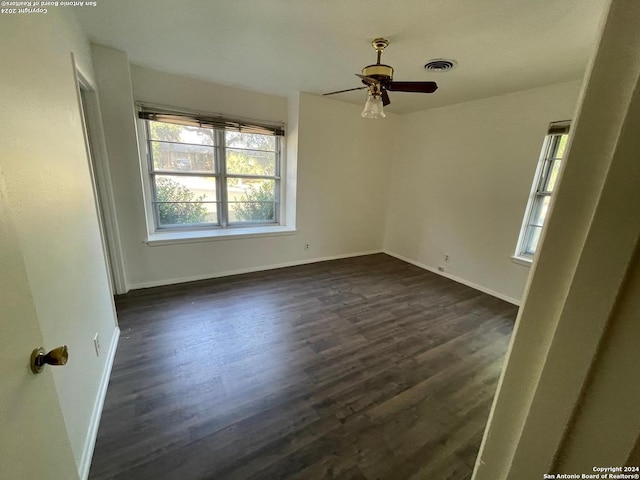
(373, 107)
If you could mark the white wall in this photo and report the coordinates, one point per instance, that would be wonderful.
(50, 194)
(342, 174)
(577, 293)
(606, 427)
(183, 92)
(461, 180)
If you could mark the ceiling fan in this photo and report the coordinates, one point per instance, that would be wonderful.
(378, 79)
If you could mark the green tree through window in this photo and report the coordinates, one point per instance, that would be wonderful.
(257, 204)
(181, 208)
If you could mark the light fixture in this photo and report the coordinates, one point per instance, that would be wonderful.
(373, 106)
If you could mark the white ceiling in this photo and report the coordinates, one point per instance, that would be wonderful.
(316, 46)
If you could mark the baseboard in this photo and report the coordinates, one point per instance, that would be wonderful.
(173, 281)
(227, 273)
(456, 279)
(90, 442)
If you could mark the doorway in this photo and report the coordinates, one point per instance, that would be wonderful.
(101, 182)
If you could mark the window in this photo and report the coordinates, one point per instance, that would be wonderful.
(544, 183)
(207, 172)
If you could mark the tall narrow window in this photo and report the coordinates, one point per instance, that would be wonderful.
(544, 183)
(210, 172)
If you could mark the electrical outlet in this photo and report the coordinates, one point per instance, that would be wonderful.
(306, 246)
(96, 344)
(441, 269)
(447, 258)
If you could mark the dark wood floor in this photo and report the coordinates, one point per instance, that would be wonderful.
(363, 368)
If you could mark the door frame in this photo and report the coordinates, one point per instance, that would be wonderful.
(89, 105)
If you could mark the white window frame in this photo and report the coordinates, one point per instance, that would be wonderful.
(160, 235)
(524, 254)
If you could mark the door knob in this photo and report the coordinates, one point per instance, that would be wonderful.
(57, 356)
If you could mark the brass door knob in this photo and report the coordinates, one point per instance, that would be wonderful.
(57, 356)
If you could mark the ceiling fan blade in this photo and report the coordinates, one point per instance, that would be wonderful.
(342, 91)
(385, 98)
(418, 87)
(369, 80)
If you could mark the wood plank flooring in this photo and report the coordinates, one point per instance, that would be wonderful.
(362, 368)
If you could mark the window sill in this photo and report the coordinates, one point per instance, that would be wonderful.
(524, 261)
(193, 236)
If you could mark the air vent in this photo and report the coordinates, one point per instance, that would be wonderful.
(440, 65)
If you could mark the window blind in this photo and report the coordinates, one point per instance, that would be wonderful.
(558, 128)
(159, 114)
